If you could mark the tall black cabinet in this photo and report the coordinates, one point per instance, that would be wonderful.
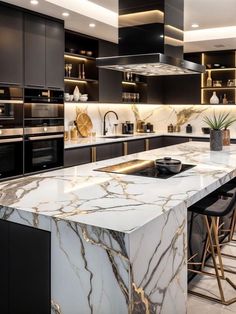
(54, 54)
(44, 52)
(35, 47)
(11, 46)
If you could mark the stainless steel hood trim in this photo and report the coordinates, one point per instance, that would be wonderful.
(150, 64)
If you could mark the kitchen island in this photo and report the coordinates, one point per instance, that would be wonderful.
(118, 242)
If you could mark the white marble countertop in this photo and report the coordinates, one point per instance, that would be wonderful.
(121, 202)
(99, 140)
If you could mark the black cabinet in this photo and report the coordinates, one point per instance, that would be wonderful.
(35, 45)
(44, 52)
(4, 266)
(136, 146)
(25, 269)
(199, 139)
(55, 54)
(110, 88)
(11, 46)
(174, 140)
(156, 142)
(77, 156)
(108, 151)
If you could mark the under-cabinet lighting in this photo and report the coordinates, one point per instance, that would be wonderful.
(92, 25)
(65, 14)
(129, 83)
(74, 81)
(34, 2)
(222, 69)
(195, 25)
(75, 57)
(216, 88)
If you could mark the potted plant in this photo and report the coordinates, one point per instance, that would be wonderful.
(216, 124)
(226, 132)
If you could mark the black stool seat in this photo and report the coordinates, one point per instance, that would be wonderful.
(214, 205)
(229, 187)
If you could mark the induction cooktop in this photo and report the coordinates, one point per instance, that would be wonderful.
(143, 168)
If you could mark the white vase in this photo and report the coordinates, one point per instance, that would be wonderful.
(214, 99)
(76, 93)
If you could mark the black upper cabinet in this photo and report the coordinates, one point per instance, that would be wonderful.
(110, 89)
(44, 52)
(55, 54)
(11, 46)
(35, 45)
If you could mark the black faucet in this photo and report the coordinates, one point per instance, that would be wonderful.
(104, 121)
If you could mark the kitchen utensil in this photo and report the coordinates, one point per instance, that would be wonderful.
(170, 128)
(206, 130)
(127, 128)
(84, 124)
(189, 128)
(168, 165)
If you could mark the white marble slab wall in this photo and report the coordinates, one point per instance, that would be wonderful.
(159, 115)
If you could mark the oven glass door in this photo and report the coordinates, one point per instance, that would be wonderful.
(43, 110)
(11, 114)
(11, 157)
(43, 152)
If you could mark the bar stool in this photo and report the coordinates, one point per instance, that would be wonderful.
(213, 207)
(227, 234)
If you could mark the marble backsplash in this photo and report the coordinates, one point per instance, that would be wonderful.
(159, 115)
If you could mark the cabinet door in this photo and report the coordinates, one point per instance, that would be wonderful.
(155, 142)
(11, 46)
(54, 54)
(136, 146)
(4, 262)
(29, 270)
(173, 140)
(77, 156)
(35, 44)
(109, 151)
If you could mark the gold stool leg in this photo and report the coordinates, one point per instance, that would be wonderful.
(211, 245)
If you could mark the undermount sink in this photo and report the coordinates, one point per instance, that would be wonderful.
(114, 136)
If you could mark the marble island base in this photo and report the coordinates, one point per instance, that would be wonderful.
(118, 242)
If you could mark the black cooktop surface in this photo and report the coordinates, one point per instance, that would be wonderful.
(143, 168)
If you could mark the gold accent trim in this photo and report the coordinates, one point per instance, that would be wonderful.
(147, 144)
(94, 154)
(125, 144)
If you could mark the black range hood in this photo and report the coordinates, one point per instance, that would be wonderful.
(151, 39)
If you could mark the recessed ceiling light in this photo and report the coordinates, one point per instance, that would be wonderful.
(92, 25)
(66, 14)
(34, 2)
(195, 25)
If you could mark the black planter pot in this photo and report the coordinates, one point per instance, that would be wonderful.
(216, 140)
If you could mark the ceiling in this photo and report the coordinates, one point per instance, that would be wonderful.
(207, 13)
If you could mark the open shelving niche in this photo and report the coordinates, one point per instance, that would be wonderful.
(76, 49)
(226, 70)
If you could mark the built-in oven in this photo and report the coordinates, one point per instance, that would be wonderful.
(11, 132)
(43, 130)
(11, 156)
(11, 108)
(44, 148)
(43, 104)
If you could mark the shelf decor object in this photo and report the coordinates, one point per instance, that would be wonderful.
(84, 124)
(209, 79)
(214, 99)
